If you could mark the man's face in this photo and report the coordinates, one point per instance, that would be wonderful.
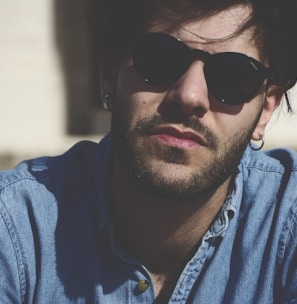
(178, 142)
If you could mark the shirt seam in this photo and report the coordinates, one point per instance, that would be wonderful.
(286, 231)
(274, 170)
(19, 254)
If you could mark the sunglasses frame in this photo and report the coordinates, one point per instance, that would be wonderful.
(143, 65)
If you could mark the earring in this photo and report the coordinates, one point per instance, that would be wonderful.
(106, 103)
(257, 148)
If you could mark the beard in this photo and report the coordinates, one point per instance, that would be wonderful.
(171, 183)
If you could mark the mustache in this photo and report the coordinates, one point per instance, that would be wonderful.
(145, 126)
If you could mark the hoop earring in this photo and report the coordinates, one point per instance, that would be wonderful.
(106, 103)
(257, 148)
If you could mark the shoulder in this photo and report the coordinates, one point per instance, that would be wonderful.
(275, 160)
(270, 176)
(40, 198)
(39, 169)
(270, 193)
(41, 201)
(34, 180)
(274, 171)
(39, 186)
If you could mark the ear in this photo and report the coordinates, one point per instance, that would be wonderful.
(273, 97)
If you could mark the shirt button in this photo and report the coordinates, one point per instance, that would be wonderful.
(143, 285)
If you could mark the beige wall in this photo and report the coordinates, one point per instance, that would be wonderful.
(34, 92)
(34, 113)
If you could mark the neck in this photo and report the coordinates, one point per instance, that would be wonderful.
(160, 233)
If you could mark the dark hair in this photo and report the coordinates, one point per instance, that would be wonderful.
(117, 22)
(277, 21)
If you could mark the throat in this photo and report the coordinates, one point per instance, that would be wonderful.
(164, 283)
(159, 234)
(163, 286)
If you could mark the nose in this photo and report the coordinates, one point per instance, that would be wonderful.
(189, 94)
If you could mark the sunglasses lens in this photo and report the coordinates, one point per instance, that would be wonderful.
(233, 78)
(160, 59)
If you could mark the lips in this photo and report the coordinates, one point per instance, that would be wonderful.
(178, 138)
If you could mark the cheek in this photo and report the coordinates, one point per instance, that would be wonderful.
(133, 96)
(230, 124)
(129, 83)
(127, 91)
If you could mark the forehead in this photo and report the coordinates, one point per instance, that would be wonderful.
(184, 10)
(221, 28)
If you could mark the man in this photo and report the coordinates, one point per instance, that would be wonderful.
(173, 206)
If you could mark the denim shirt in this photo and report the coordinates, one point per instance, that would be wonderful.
(57, 246)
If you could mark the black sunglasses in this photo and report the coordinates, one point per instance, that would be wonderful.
(232, 78)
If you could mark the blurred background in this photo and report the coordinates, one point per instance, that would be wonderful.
(49, 93)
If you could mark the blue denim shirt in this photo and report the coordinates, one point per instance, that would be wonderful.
(56, 243)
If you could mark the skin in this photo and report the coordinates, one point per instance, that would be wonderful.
(159, 212)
